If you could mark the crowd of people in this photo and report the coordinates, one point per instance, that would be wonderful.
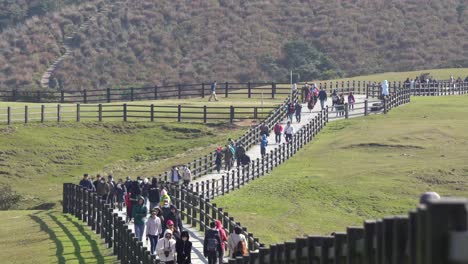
(232, 152)
(149, 207)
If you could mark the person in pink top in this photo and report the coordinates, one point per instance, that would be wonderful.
(278, 129)
(351, 101)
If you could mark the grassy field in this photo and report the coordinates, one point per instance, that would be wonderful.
(49, 237)
(360, 169)
(36, 159)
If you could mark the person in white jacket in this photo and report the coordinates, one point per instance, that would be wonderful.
(236, 239)
(153, 230)
(166, 248)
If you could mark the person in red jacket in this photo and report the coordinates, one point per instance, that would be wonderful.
(278, 129)
(223, 236)
(128, 204)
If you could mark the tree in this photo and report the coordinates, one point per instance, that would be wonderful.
(8, 197)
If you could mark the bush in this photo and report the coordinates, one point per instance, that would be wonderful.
(8, 198)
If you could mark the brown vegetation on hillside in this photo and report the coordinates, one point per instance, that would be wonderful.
(155, 42)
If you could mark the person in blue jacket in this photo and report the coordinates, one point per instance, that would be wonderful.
(263, 145)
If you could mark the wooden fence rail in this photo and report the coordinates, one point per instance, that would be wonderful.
(129, 112)
(226, 89)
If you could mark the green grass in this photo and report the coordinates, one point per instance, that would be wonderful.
(360, 169)
(49, 237)
(114, 111)
(36, 159)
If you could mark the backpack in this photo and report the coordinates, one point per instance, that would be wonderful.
(212, 244)
(240, 250)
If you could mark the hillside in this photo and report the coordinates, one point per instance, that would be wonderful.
(157, 42)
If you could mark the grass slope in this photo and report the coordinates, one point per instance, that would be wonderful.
(360, 169)
(49, 237)
(36, 159)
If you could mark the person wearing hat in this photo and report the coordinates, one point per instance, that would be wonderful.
(427, 197)
(165, 211)
(164, 196)
(171, 226)
(175, 217)
(153, 229)
(166, 248)
(139, 212)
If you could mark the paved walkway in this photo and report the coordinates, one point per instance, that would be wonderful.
(254, 151)
(196, 237)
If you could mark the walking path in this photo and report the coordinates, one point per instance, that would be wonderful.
(196, 237)
(306, 117)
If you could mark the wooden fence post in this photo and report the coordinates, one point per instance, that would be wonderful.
(42, 113)
(25, 114)
(59, 113)
(108, 95)
(179, 92)
(131, 94)
(249, 90)
(100, 112)
(273, 90)
(203, 90)
(78, 117)
(62, 97)
(226, 92)
(231, 114)
(85, 97)
(204, 114)
(155, 92)
(366, 106)
(346, 108)
(8, 115)
(152, 112)
(125, 112)
(179, 112)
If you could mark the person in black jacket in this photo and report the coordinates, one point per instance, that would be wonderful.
(153, 194)
(212, 244)
(184, 248)
(86, 183)
(175, 217)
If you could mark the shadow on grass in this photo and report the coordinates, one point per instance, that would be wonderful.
(52, 235)
(94, 246)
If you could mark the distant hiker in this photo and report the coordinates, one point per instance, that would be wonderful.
(186, 175)
(294, 87)
(153, 230)
(384, 89)
(305, 92)
(278, 129)
(161, 217)
(263, 145)
(145, 188)
(166, 248)
(139, 213)
(184, 248)
(175, 177)
(170, 225)
(213, 92)
(228, 156)
(219, 159)
(128, 183)
(298, 109)
(86, 183)
(427, 197)
(120, 192)
(223, 237)
(175, 217)
(153, 194)
(111, 194)
(291, 110)
(351, 101)
(322, 96)
(128, 205)
(264, 130)
(212, 244)
(245, 160)
(340, 105)
(96, 182)
(166, 212)
(164, 197)
(102, 189)
(335, 100)
(237, 244)
(240, 151)
(288, 132)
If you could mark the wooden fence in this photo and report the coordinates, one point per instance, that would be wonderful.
(226, 89)
(130, 112)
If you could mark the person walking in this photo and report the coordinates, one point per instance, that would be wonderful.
(96, 182)
(291, 110)
(237, 243)
(102, 189)
(219, 159)
(263, 145)
(384, 89)
(111, 195)
(351, 101)
(288, 132)
(278, 129)
(184, 248)
(298, 109)
(86, 183)
(166, 248)
(164, 197)
(223, 237)
(240, 151)
(175, 176)
(186, 175)
(213, 92)
(212, 244)
(139, 212)
(120, 192)
(322, 96)
(341, 106)
(153, 194)
(153, 230)
(228, 155)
